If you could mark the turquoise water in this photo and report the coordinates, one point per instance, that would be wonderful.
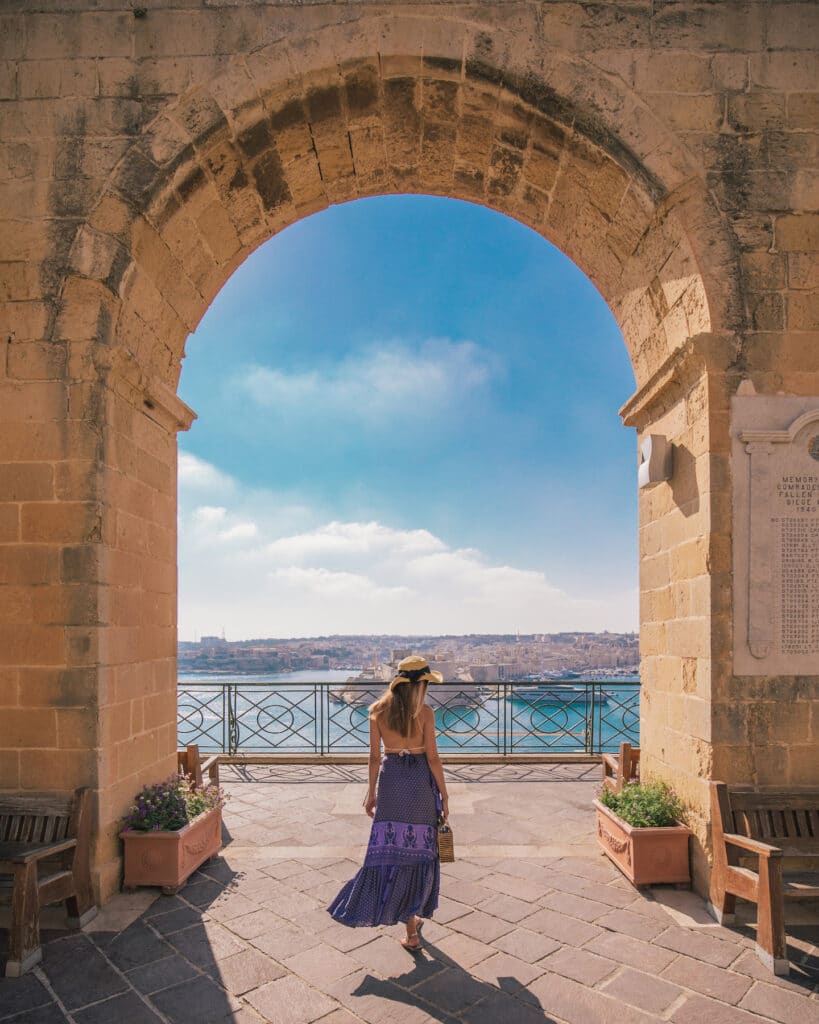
(273, 713)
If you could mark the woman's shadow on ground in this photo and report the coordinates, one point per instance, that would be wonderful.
(441, 988)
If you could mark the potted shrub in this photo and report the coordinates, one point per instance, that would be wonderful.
(639, 828)
(169, 831)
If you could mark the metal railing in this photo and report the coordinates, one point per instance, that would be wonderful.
(298, 718)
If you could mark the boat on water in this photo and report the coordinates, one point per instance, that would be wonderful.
(549, 693)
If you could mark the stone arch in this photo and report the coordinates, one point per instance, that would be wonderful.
(566, 150)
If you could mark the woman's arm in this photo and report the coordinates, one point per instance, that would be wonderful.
(433, 759)
(374, 765)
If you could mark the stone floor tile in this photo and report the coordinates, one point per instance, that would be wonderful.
(175, 920)
(344, 939)
(218, 869)
(231, 905)
(250, 926)
(79, 973)
(433, 930)
(448, 910)
(164, 905)
(292, 906)
(526, 945)
(20, 994)
(600, 892)
(799, 979)
(245, 971)
(452, 990)
(196, 1001)
(340, 1016)
(386, 956)
(503, 1007)
(50, 1014)
(470, 894)
(202, 894)
(380, 1001)
(284, 869)
(576, 1004)
(160, 974)
(642, 990)
(482, 927)
(289, 1000)
(787, 1007)
(125, 1009)
(574, 906)
(138, 944)
(716, 982)
(699, 1010)
(321, 964)
(561, 928)
(285, 940)
(464, 870)
(636, 925)
(627, 950)
(699, 946)
(509, 908)
(507, 971)
(600, 868)
(206, 947)
(509, 885)
(578, 964)
(462, 950)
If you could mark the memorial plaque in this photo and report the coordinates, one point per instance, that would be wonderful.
(775, 467)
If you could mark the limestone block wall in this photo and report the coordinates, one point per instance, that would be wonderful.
(669, 149)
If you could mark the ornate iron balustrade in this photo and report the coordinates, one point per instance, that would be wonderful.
(577, 717)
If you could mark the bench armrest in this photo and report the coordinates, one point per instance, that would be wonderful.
(754, 845)
(24, 853)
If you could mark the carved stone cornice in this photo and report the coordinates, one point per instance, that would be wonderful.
(700, 354)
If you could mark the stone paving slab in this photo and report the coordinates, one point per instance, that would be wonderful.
(534, 925)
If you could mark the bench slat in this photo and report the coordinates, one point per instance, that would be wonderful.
(807, 800)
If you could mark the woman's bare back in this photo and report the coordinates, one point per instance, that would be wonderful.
(395, 741)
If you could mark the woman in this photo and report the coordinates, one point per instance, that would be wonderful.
(400, 878)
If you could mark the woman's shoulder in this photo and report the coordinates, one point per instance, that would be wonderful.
(428, 715)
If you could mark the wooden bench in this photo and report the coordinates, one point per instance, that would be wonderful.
(44, 859)
(621, 768)
(190, 762)
(769, 826)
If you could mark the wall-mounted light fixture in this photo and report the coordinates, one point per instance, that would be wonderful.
(656, 460)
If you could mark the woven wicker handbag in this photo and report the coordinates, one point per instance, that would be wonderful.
(446, 842)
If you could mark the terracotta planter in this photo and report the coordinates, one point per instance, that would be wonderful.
(170, 858)
(646, 856)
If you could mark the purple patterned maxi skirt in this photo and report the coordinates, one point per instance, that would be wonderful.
(401, 872)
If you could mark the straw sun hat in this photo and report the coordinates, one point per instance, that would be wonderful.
(415, 669)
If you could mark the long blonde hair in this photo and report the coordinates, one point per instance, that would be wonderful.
(400, 707)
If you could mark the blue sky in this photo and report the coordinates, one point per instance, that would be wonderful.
(407, 422)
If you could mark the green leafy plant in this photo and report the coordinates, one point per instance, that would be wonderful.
(644, 805)
(170, 805)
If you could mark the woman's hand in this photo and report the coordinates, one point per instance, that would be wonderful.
(445, 807)
(369, 803)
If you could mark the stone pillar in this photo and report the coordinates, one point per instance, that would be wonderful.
(137, 573)
(87, 577)
(685, 575)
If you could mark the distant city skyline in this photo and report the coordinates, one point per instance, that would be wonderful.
(408, 423)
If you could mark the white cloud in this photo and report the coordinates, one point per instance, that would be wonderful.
(197, 475)
(391, 380)
(244, 567)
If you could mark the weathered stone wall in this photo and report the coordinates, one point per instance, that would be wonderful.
(669, 149)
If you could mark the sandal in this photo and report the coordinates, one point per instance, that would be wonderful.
(413, 941)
